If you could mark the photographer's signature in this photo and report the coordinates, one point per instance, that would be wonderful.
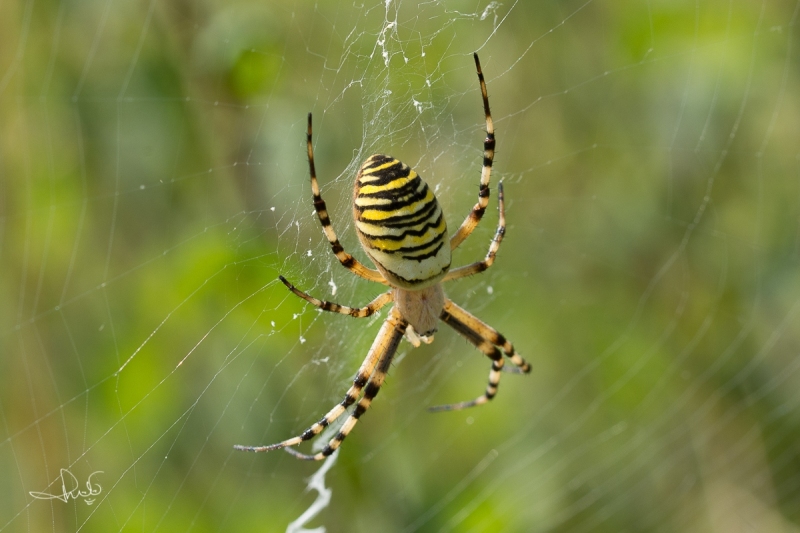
(70, 488)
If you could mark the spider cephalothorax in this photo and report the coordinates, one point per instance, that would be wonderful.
(402, 229)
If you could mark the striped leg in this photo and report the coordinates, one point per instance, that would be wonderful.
(485, 339)
(357, 312)
(480, 266)
(348, 261)
(488, 157)
(386, 346)
(488, 333)
(382, 351)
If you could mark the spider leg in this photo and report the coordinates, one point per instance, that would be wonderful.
(480, 266)
(487, 332)
(486, 339)
(475, 216)
(357, 312)
(385, 346)
(348, 261)
(380, 355)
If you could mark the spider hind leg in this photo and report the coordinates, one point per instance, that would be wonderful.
(486, 339)
(370, 377)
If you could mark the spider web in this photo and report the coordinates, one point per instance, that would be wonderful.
(154, 184)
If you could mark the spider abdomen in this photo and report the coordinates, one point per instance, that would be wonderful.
(400, 223)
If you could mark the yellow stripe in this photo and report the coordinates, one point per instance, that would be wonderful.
(395, 184)
(411, 240)
(379, 230)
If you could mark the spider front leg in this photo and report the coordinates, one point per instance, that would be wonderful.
(486, 339)
(480, 266)
(476, 214)
(348, 261)
(379, 359)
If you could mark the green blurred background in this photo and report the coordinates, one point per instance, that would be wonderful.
(153, 185)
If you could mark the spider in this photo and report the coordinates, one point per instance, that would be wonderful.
(402, 229)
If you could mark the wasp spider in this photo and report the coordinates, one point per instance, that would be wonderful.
(402, 229)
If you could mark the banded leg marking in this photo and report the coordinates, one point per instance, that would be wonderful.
(475, 216)
(485, 331)
(480, 266)
(485, 339)
(357, 312)
(385, 344)
(348, 261)
(387, 347)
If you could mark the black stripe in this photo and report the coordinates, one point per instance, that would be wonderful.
(425, 256)
(419, 248)
(371, 390)
(404, 220)
(349, 400)
(407, 189)
(480, 267)
(470, 334)
(412, 232)
(415, 281)
(399, 203)
(460, 327)
(386, 175)
(376, 161)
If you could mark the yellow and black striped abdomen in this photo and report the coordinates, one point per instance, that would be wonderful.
(400, 223)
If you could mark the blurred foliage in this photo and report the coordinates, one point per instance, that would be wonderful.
(153, 186)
